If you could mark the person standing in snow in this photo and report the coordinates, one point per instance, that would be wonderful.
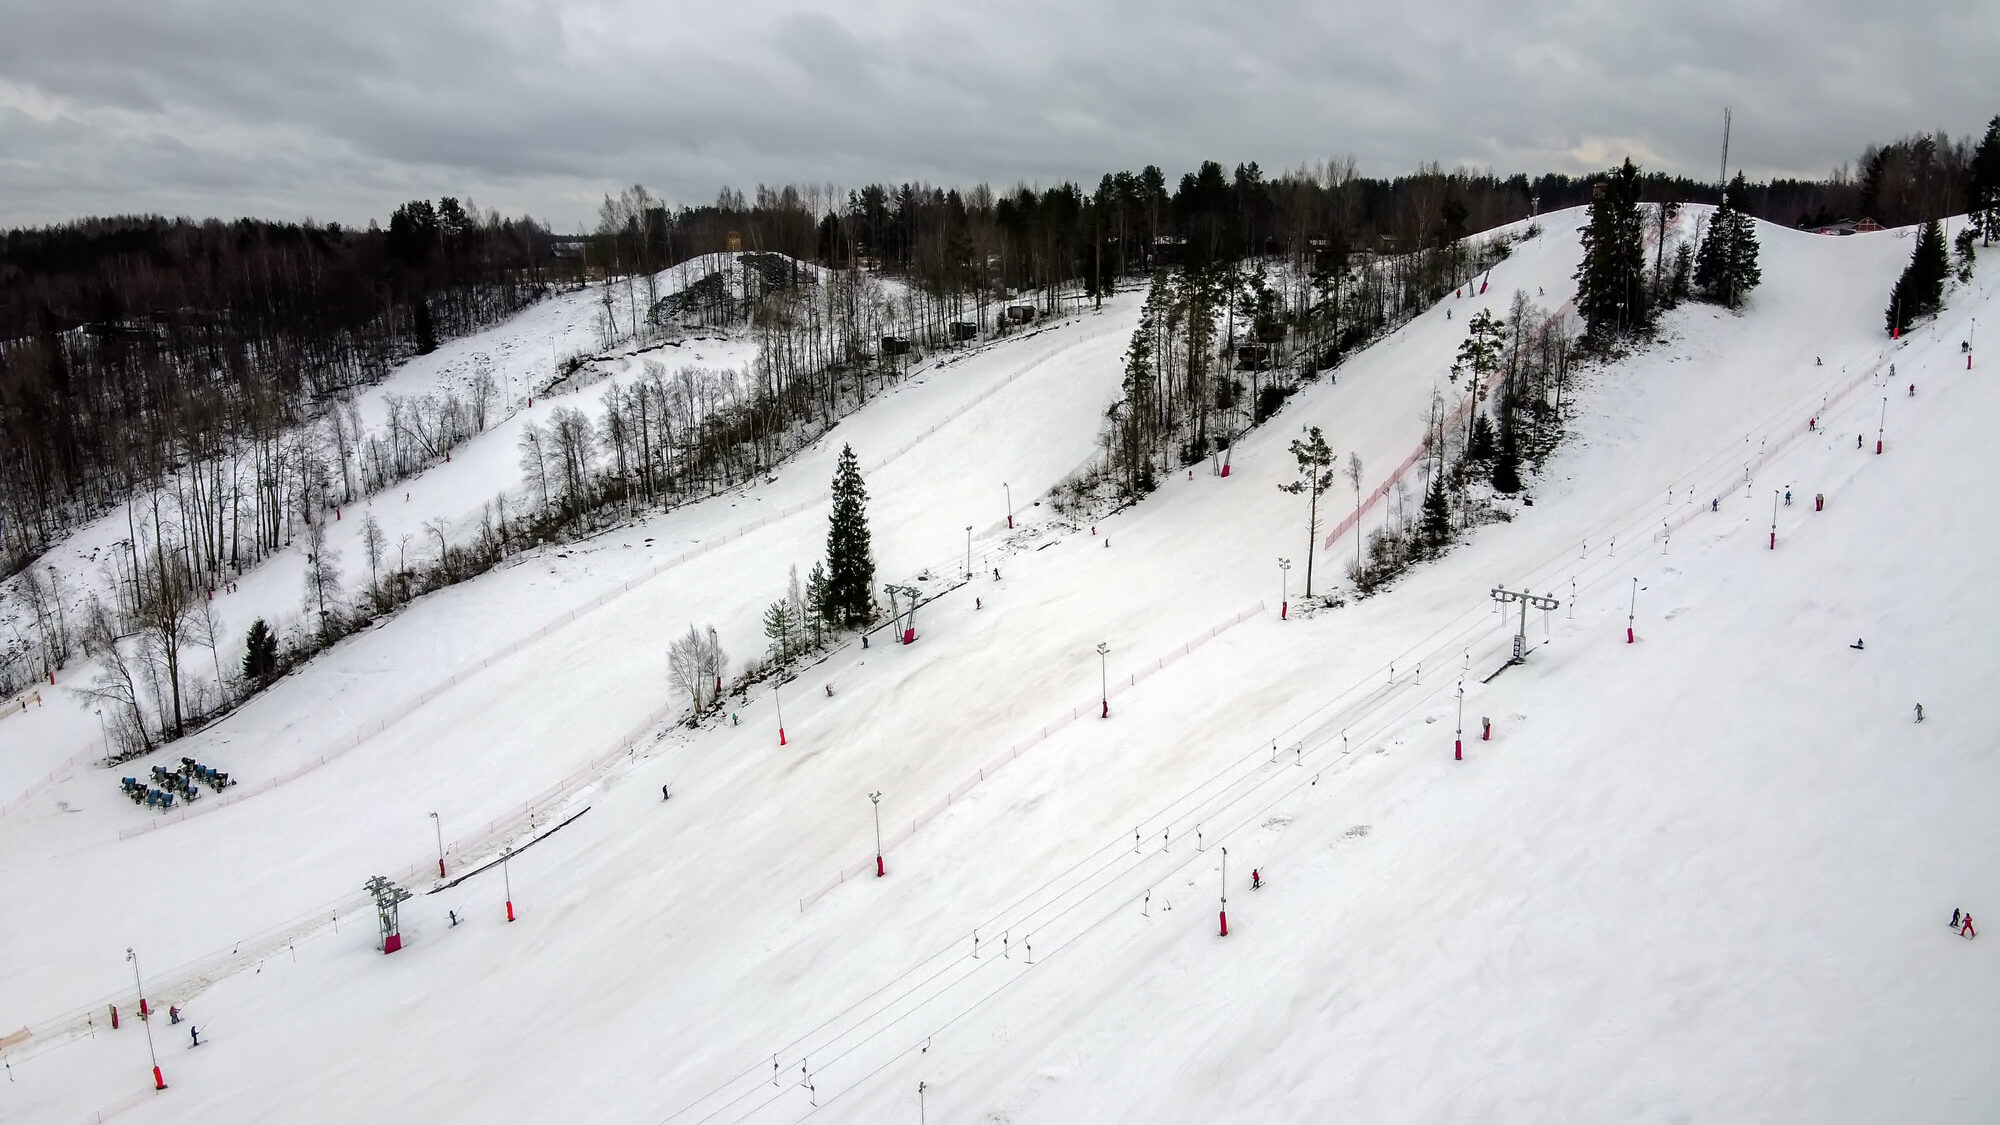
(1966, 930)
(194, 1033)
(1920, 712)
(1256, 880)
(666, 792)
(1954, 917)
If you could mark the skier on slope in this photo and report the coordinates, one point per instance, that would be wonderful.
(1966, 930)
(1920, 712)
(194, 1033)
(1256, 880)
(1954, 917)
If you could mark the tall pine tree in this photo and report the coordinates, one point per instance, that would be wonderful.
(1920, 290)
(1726, 269)
(1436, 526)
(1986, 182)
(1507, 462)
(1610, 282)
(850, 560)
(427, 341)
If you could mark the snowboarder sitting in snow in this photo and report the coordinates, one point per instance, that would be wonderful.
(1856, 645)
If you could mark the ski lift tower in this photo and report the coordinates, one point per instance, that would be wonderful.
(387, 897)
(905, 619)
(1526, 599)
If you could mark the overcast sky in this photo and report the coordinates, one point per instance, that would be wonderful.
(340, 109)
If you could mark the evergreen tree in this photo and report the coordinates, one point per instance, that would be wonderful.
(1315, 476)
(1507, 463)
(1920, 290)
(819, 600)
(1610, 282)
(850, 560)
(1726, 269)
(1481, 447)
(260, 653)
(1986, 182)
(1437, 517)
(426, 334)
(1683, 281)
(781, 629)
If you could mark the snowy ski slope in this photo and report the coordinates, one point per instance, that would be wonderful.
(1685, 880)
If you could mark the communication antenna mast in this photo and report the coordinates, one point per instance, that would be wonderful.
(1723, 176)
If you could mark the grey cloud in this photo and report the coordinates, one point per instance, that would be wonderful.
(340, 111)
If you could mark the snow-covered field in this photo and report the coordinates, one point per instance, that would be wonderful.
(1688, 879)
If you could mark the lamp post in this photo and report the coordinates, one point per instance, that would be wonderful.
(875, 799)
(1103, 679)
(555, 369)
(968, 551)
(507, 879)
(1223, 913)
(778, 702)
(1632, 614)
(1458, 742)
(159, 1082)
(1881, 425)
(1284, 589)
(104, 732)
(1774, 519)
(439, 825)
(1010, 504)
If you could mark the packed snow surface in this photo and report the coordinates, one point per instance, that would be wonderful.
(1703, 876)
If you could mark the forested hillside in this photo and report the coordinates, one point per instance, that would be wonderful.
(145, 354)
